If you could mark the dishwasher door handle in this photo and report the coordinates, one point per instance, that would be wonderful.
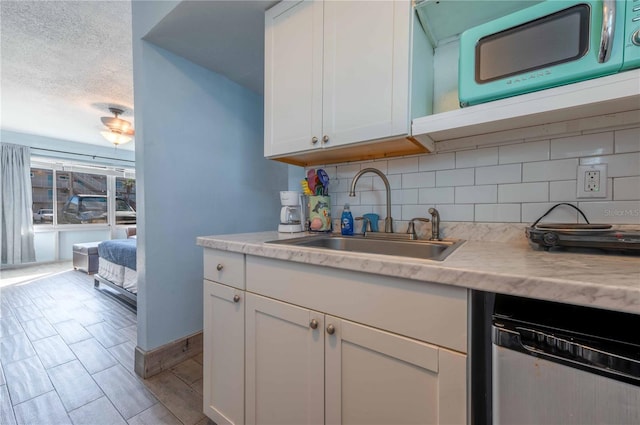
(551, 347)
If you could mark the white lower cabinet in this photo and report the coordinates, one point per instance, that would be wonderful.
(290, 358)
(223, 348)
(284, 364)
(376, 377)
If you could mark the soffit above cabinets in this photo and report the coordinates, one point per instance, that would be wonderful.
(226, 37)
(444, 19)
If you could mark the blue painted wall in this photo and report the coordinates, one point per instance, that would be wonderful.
(200, 171)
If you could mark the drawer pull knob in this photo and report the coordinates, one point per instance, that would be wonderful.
(314, 140)
(331, 329)
(219, 267)
(325, 139)
(313, 324)
(236, 298)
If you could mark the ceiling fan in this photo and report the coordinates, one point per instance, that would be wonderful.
(118, 131)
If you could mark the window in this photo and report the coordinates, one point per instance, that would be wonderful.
(75, 205)
(126, 190)
(42, 194)
(79, 197)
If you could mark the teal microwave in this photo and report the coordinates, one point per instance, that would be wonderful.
(553, 43)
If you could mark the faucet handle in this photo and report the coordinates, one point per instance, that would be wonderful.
(411, 228)
(435, 224)
(366, 224)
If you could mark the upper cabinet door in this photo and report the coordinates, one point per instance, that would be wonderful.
(293, 77)
(366, 70)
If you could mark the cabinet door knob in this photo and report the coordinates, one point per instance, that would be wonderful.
(219, 267)
(331, 329)
(313, 324)
(314, 140)
(325, 139)
(236, 298)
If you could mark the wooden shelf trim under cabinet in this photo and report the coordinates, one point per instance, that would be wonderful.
(358, 152)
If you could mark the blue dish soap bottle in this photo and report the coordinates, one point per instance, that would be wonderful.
(346, 226)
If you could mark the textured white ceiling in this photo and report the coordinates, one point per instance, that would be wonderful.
(62, 63)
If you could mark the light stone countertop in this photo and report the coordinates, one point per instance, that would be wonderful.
(592, 279)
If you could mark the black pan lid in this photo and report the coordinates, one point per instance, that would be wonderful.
(576, 226)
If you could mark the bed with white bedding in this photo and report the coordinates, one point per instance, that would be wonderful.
(117, 267)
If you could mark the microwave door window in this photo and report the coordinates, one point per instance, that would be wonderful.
(550, 40)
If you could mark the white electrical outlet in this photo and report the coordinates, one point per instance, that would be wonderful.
(592, 181)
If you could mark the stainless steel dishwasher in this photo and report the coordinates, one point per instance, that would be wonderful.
(561, 364)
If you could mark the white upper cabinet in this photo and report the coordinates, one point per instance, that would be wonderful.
(293, 77)
(336, 73)
(366, 70)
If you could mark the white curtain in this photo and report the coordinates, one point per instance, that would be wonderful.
(16, 217)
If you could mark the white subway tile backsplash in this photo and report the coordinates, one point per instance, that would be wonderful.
(395, 182)
(373, 197)
(339, 185)
(505, 213)
(359, 210)
(378, 164)
(612, 212)
(583, 145)
(627, 140)
(444, 161)
(561, 214)
(626, 188)
(476, 194)
(563, 169)
(347, 170)
(341, 198)
(477, 158)
(404, 196)
(432, 196)
(562, 191)
(510, 182)
(414, 180)
(462, 177)
(413, 211)
(622, 165)
(524, 152)
(396, 211)
(404, 165)
(455, 212)
(364, 183)
(523, 192)
(511, 173)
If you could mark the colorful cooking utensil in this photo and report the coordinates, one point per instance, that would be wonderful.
(324, 181)
(311, 179)
(305, 187)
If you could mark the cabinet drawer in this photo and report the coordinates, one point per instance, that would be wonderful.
(224, 267)
(425, 311)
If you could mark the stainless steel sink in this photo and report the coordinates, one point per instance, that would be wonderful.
(428, 250)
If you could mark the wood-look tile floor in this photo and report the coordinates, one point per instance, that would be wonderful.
(67, 355)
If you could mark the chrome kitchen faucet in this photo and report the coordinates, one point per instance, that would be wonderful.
(388, 221)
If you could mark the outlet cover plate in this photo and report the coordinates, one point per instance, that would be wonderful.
(585, 184)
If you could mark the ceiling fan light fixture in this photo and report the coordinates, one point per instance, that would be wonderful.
(115, 137)
(118, 131)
